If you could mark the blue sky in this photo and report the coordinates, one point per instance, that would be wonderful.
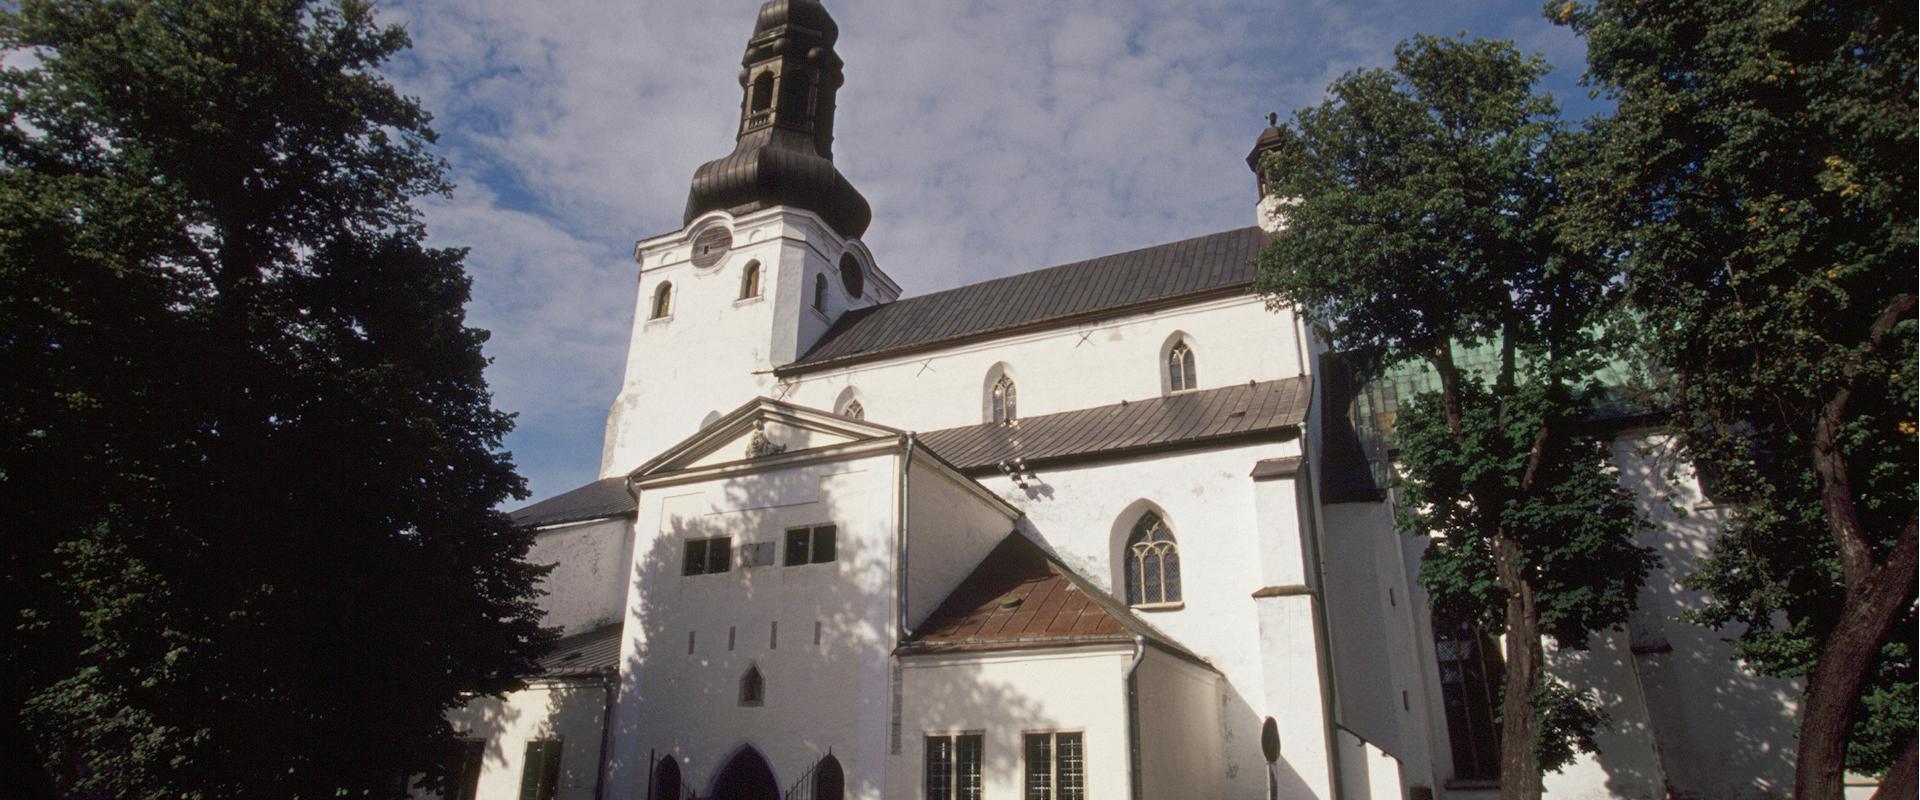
(990, 137)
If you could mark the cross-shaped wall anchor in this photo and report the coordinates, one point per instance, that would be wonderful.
(925, 367)
(1086, 337)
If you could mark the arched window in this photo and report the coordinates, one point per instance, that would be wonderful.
(1152, 563)
(820, 293)
(750, 280)
(761, 98)
(753, 688)
(1005, 400)
(1180, 375)
(854, 410)
(829, 782)
(666, 779)
(662, 301)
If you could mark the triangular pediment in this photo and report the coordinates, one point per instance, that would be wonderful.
(763, 427)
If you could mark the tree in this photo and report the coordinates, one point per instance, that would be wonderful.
(1758, 181)
(252, 462)
(1427, 220)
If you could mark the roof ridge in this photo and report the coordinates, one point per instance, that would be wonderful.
(1063, 265)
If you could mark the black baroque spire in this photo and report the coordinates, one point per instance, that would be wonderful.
(783, 152)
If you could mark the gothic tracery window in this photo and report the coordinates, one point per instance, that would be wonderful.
(854, 410)
(1152, 563)
(1180, 374)
(1005, 400)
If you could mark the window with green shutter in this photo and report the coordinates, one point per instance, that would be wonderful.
(540, 776)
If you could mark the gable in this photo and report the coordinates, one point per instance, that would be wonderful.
(760, 428)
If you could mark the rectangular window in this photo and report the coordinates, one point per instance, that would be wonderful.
(953, 766)
(540, 776)
(707, 556)
(463, 775)
(815, 545)
(1056, 766)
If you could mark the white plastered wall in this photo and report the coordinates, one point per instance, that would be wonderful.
(570, 711)
(1083, 513)
(1234, 340)
(1181, 750)
(1005, 695)
(713, 351)
(821, 695)
(587, 587)
(950, 529)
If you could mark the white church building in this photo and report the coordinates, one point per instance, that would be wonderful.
(1109, 529)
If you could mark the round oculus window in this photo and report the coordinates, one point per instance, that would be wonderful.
(851, 276)
(711, 246)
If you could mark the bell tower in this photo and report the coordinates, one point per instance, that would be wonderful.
(768, 255)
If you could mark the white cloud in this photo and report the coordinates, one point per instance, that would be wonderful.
(990, 137)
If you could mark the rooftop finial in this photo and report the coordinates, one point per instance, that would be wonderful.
(1273, 119)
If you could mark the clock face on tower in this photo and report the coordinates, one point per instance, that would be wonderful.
(711, 246)
(851, 277)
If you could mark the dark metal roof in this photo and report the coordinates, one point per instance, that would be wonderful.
(1021, 597)
(1215, 263)
(783, 148)
(594, 652)
(606, 497)
(1183, 419)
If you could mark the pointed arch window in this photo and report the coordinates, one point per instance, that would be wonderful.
(1005, 400)
(750, 280)
(1152, 563)
(753, 687)
(662, 301)
(820, 293)
(854, 410)
(1180, 374)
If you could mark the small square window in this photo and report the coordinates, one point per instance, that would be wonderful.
(707, 556)
(816, 545)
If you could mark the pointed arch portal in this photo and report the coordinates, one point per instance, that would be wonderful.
(746, 777)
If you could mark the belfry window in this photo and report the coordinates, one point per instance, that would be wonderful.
(1180, 375)
(761, 97)
(753, 688)
(820, 293)
(1469, 667)
(1005, 400)
(1152, 563)
(662, 301)
(750, 280)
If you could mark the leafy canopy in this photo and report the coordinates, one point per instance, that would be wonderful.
(1757, 182)
(252, 458)
(1426, 217)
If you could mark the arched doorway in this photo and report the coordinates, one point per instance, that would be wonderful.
(746, 777)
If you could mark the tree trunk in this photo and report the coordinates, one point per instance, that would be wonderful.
(1869, 614)
(1519, 726)
(1900, 782)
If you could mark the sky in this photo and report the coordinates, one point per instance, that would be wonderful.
(991, 138)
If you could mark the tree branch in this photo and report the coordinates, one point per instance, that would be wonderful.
(1836, 480)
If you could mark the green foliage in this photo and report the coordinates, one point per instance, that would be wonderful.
(1575, 527)
(1569, 720)
(1428, 217)
(253, 463)
(1758, 183)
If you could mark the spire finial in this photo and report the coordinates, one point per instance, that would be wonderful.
(1273, 119)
